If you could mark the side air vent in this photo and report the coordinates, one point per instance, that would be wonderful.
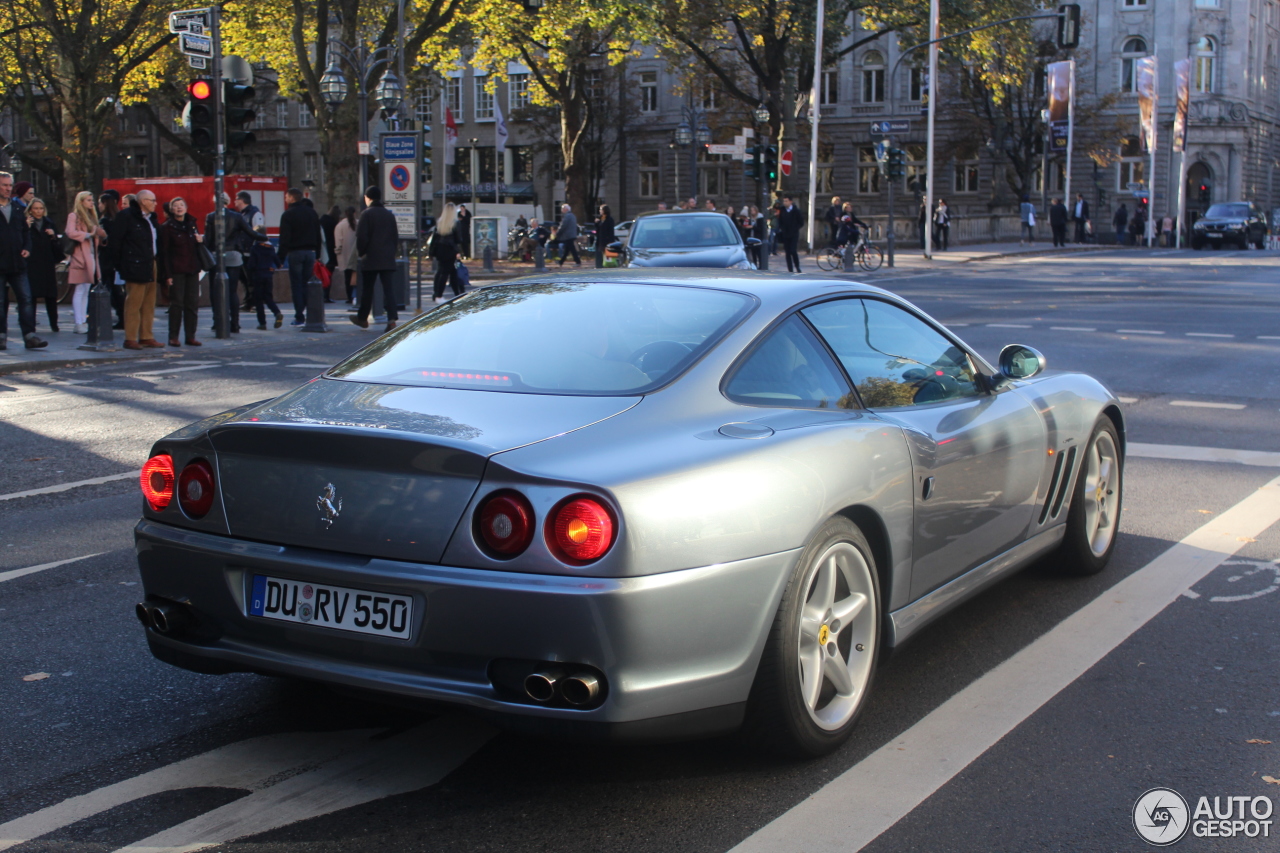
(1064, 483)
(1053, 487)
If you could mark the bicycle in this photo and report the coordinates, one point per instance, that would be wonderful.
(867, 256)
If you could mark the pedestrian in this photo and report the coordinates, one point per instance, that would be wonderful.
(922, 219)
(15, 249)
(604, 228)
(108, 209)
(328, 226)
(377, 238)
(463, 229)
(1167, 228)
(444, 249)
(790, 224)
(25, 192)
(299, 242)
(537, 235)
(759, 230)
(237, 239)
(344, 239)
(261, 266)
(1121, 223)
(1080, 216)
(46, 254)
(1138, 227)
(179, 264)
(82, 272)
(1027, 212)
(254, 218)
(691, 203)
(134, 236)
(942, 224)
(835, 213)
(567, 235)
(709, 206)
(1058, 222)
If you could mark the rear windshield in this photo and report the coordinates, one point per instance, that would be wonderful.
(554, 338)
(1229, 211)
(684, 231)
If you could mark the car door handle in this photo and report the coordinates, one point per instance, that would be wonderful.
(926, 491)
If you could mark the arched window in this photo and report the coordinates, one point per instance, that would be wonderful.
(873, 77)
(1134, 49)
(1206, 54)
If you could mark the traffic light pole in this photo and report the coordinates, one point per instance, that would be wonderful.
(218, 290)
(889, 237)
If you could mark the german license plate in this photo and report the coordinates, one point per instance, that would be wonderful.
(1214, 234)
(380, 613)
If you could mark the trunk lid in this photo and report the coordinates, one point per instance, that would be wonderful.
(378, 470)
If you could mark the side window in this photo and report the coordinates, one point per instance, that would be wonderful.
(791, 369)
(893, 357)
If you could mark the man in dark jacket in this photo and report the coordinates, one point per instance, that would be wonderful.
(790, 223)
(1080, 216)
(237, 243)
(15, 248)
(1058, 221)
(834, 215)
(299, 244)
(377, 238)
(133, 240)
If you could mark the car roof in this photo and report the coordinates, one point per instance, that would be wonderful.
(651, 213)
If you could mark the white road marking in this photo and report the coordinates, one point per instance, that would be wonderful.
(63, 487)
(31, 570)
(873, 795)
(1127, 399)
(953, 325)
(1208, 335)
(185, 369)
(1203, 404)
(311, 366)
(1073, 328)
(1137, 332)
(1258, 567)
(1259, 458)
(252, 363)
(1007, 326)
(1269, 337)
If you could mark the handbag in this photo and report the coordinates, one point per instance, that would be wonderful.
(68, 245)
(207, 263)
(464, 275)
(1031, 218)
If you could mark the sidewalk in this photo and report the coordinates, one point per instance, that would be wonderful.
(910, 257)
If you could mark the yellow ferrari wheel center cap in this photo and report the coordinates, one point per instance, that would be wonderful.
(824, 634)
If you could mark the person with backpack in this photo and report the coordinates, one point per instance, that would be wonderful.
(261, 266)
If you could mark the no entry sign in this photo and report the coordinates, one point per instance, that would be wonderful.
(785, 162)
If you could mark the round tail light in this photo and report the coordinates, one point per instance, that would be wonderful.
(504, 523)
(157, 481)
(580, 530)
(195, 488)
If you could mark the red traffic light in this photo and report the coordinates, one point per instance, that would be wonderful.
(201, 90)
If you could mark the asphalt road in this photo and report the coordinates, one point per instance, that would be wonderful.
(286, 766)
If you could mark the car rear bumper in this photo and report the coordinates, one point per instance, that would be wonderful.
(678, 650)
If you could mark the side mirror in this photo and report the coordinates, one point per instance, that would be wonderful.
(615, 246)
(754, 241)
(1021, 362)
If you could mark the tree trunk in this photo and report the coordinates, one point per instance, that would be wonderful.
(342, 159)
(576, 171)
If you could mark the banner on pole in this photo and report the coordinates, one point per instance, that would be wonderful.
(450, 136)
(499, 128)
(1060, 79)
(1144, 70)
(1182, 99)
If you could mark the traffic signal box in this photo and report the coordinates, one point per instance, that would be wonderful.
(770, 163)
(896, 164)
(200, 116)
(235, 98)
(1069, 26)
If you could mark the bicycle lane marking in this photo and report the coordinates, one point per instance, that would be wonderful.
(867, 799)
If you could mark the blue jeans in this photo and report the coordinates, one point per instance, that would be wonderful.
(22, 294)
(301, 263)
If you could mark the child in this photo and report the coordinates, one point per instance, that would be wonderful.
(262, 263)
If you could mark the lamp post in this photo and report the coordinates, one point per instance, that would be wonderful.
(334, 88)
(693, 132)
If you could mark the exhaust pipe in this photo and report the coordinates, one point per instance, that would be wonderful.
(168, 619)
(541, 686)
(581, 688)
(144, 615)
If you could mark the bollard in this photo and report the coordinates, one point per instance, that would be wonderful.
(848, 258)
(488, 259)
(218, 298)
(599, 255)
(315, 306)
(764, 257)
(101, 338)
(539, 259)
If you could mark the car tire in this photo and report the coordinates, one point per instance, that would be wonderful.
(1197, 245)
(820, 657)
(1093, 521)
(1260, 244)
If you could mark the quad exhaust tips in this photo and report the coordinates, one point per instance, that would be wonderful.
(580, 688)
(162, 617)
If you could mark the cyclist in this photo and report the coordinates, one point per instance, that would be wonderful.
(847, 235)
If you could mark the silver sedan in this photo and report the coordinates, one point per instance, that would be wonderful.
(626, 503)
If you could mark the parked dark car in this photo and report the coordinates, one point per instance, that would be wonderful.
(1238, 222)
(685, 239)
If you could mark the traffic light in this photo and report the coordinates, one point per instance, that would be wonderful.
(198, 117)
(1069, 26)
(897, 163)
(752, 165)
(771, 162)
(1204, 192)
(234, 99)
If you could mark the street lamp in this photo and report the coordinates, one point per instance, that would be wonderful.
(334, 87)
(389, 93)
(762, 114)
(686, 135)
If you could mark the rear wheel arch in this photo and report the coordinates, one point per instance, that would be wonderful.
(1117, 419)
(873, 527)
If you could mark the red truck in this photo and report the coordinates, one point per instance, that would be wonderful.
(268, 193)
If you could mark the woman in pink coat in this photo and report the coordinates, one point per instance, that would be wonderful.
(83, 227)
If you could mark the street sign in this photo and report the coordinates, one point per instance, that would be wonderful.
(400, 182)
(785, 162)
(198, 62)
(722, 149)
(364, 148)
(201, 46)
(400, 146)
(406, 222)
(401, 165)
(188, 19)
(894, 126)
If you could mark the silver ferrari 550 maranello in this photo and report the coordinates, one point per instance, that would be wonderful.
(626, 503)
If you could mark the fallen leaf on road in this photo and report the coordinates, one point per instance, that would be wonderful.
(1245, 539)
(1271, 780)
(1257, 740)
(1205, 511)
(36, 676)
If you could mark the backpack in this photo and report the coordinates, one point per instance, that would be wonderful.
(464, 276)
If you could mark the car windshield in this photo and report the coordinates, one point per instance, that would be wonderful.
(554, 338)
(1229, 211)
(684, 231)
